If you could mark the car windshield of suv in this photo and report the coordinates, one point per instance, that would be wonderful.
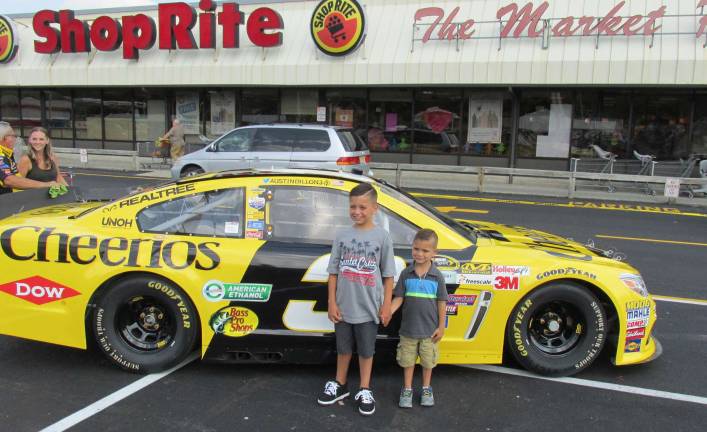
(351, 141)
(430, 211)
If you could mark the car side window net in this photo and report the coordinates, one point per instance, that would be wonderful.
(216, 213)
(313, 215)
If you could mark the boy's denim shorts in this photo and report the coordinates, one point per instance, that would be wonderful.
(363, 334)
(410, 348)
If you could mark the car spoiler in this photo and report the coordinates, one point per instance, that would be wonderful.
(17, 202)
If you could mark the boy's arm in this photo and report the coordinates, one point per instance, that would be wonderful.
(385, 312)
(397, 302)
(333, 309)
(442, 311)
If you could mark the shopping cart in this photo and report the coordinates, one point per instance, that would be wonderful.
(681, 169)
(703, 174)
(603, 164)
(157, 151)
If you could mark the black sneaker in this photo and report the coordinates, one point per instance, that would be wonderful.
(366, 403)
(333, 391)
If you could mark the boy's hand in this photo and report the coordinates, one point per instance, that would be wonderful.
(385, 314)
(334, 313)
(438, 334)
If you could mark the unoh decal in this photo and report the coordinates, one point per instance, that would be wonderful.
(234, 321)
(338, 26)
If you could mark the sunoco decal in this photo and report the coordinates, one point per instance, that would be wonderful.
(234, 321)
(338, 26)
(8, 40)
(215, 291)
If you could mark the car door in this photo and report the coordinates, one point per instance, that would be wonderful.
(232, 151)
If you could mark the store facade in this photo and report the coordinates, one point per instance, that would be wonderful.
(480, 82)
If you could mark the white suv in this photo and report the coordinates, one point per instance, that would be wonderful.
(279, 146)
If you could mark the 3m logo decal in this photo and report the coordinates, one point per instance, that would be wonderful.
(338, 26)
(8, 40)
(38, 290)
(509, 283)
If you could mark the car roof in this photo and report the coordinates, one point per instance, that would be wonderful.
(293, 125)
(300, 172)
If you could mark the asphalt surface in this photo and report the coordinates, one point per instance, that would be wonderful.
(41, 384)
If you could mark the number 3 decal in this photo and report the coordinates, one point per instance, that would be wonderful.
(300, 316)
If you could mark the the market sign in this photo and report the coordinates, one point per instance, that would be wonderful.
(173, 29)
(8, 39)
(531, 21)
(338, 26)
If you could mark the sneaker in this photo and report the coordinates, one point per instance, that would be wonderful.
(333, 392)
(366, 403)
(405, 398)
(427, 399)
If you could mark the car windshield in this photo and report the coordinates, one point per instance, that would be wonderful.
(463, 229)
(351, 141)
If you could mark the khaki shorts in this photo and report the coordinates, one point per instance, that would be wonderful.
(410, 348)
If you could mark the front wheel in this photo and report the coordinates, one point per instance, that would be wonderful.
(557, 330)
(192, 171)
(145, 324)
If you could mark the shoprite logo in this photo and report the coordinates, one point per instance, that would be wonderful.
(338, 26)
(8, 40)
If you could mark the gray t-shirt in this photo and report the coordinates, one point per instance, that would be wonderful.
(421, 294)
(360, 259)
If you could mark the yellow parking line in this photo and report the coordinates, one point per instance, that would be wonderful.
(571, 204)
(133, 177)
(651, 240)
(453, 209)
(680, 300)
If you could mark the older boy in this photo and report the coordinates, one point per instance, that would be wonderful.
(361, 271)
(422, 292)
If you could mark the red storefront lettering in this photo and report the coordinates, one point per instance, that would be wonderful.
(40, 23)
(74, 33)
(176, 22)
(263, 19)
(520, 20)
(448, 30)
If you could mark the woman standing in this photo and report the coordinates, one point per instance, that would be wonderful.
(40, 163)
(9, 178)
(176, 138)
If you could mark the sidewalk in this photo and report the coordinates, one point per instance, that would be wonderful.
(440, 181)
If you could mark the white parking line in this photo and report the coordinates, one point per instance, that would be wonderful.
(114, 398)
(680, 300)
(595, 384)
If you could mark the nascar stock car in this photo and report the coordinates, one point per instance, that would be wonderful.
(234, 264)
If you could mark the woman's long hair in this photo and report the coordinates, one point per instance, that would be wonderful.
(48, 152)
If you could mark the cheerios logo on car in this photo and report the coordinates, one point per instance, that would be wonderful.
(8, 40)
(338, 26)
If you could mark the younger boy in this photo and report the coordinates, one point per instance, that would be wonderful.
(422, 292)
(361, 271)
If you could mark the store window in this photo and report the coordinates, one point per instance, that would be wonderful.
(216, 213)
(87, 114)
(601, 119)
(437, 121)
(299, 106)
(699, 131)
(260, 106)
(10, 108)
(59, 118)
(390, 120)
(661, 124)
(347, 108)
(219, 112)
(487, 123)
(118, 114)
(545, 124)
(31, 110)
(187, 108)
(150, 115)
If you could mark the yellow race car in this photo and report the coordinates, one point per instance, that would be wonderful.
(234, 264)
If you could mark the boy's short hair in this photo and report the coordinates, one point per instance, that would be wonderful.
(427, 234)
(362, 189)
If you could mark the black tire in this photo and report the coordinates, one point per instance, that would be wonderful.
(145, 324)
(191, 171)
(557, 330)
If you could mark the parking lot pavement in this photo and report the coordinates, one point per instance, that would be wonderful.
(43, 384)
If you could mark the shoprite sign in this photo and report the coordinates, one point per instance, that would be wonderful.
(531, 21)
(173, 29)
(8, 40)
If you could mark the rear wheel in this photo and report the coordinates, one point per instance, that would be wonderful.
(191, 171)
(557, 330)
(145, 324)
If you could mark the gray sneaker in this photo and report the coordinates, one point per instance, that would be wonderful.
(405, 398)
(427, 399)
